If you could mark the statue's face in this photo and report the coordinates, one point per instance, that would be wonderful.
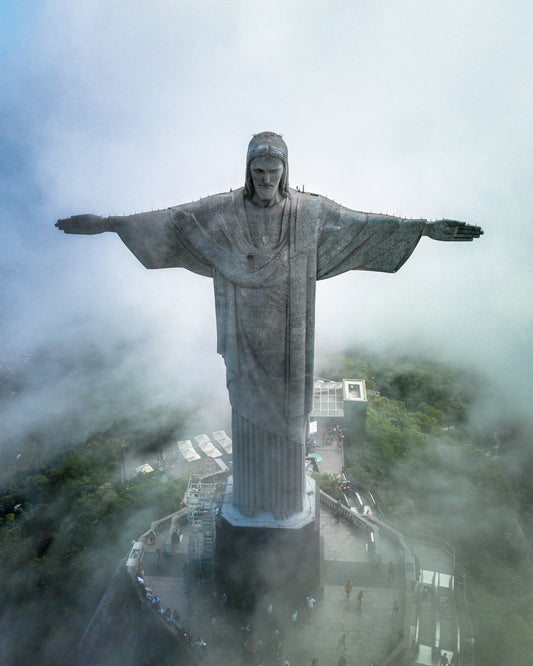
(266, 176)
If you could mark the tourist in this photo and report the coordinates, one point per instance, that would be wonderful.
(348, 589)
(310, 605)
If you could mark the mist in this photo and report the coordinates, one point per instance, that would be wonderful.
(412, 108)
(404, 109)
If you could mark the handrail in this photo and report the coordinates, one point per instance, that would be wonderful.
(181, 513)
(437, 541)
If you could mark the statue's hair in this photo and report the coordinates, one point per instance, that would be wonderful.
(267, 144)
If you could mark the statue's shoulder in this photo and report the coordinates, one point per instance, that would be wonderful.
(312, 201)
(212, 203)
(224, 197)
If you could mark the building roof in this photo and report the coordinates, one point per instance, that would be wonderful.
(329, 396)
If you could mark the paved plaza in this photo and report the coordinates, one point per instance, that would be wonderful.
(369, 631)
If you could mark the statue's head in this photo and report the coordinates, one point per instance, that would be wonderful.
(267, 148)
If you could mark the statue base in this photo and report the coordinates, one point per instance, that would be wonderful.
(265, 558)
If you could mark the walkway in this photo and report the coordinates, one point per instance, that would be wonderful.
(436, 619)
(332, 458)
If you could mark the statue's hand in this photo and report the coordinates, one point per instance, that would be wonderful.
(451, 230)
(84, 224)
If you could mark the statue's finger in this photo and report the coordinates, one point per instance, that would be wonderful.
(469, 231)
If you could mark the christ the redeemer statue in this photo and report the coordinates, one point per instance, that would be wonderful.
(265, 245)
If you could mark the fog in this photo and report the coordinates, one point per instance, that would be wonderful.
(411, 108)
(401, 108)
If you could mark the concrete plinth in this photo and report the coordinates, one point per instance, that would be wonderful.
(261, 556)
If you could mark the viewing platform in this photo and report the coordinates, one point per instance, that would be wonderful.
(371, 632)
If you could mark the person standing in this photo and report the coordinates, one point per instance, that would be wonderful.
(348, 589)
(310, 605)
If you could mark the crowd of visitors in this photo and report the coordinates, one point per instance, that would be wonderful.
(333, 435)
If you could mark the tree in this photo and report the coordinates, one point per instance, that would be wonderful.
(392, 433)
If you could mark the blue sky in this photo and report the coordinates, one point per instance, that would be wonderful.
(412, 108)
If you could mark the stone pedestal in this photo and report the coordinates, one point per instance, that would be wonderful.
(262, 557)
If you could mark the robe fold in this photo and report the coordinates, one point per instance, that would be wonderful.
(265, 313)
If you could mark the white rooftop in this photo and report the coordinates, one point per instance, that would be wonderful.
(329, 397)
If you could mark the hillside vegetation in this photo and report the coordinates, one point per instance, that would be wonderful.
(72, 524)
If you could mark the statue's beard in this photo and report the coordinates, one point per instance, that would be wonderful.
(266, 192)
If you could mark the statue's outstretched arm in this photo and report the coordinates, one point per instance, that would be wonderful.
(85, 224)
(451, 230)
(151, 236)
(95, 224)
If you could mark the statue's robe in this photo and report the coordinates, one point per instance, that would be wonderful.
(265, 312)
